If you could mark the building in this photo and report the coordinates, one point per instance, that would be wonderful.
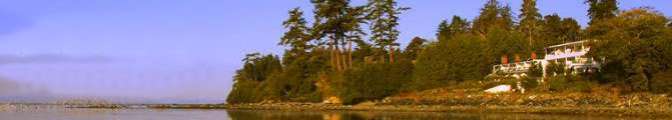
(570, 55)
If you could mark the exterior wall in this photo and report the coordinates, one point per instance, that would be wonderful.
(572, 55)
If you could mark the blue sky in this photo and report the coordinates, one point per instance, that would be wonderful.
(175, 49)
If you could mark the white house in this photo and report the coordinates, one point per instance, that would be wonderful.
(572, 55)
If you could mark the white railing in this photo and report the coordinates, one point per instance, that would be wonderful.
(514, 68)
(566, 54)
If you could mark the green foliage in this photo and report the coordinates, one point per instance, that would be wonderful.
(383, 16)
(555, 69)
(600, 10)
(458, 25)
(263, 78)
(443, 30)
(557, 30)
(633, 47)
(337, 25)
(258, 67)
(493, 16)
(256, 70)
(244, 91)
(362, 51)
(414, 48)
(334, 19)
(635, 44)
(529, 83)
(529, 14)
(445, 63)
(374, 81)
(296, 37)
(570, 30)
(297, 81)
(536, 71)
(570, 84)
(530, 22)
(502, 42)
(551, 30)
(662, 82)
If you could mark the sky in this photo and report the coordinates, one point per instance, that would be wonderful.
(178, 49)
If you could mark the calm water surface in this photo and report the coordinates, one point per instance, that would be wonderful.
(56, 113)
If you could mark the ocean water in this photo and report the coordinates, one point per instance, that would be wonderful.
(60, 113)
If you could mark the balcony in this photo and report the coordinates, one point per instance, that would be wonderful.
(514, 68)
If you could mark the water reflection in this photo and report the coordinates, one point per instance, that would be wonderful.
(349, 115)
(60, 113)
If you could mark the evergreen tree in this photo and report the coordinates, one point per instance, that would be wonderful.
(552, 30)
(256, 70)
(296, 37)
(354, 20)
(384, 16)
(414, 48)
(571, 30)
(557, 30)
(505, 43)
(338, 22)
(456, 26)
(601, 10)
(492, 16)
(529, 23)
(443, 30)
(505, 19)
(487, 17)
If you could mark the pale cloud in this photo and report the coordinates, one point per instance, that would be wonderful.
(50, 58)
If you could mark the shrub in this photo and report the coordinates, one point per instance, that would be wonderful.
(582, 86)
(373, 81)
(571, 84)
(450, 61)
(529, 83)
(557, 83)
(662, 82)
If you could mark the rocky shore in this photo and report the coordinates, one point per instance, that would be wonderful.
(471, 109)
(459, 100)
(471, 101)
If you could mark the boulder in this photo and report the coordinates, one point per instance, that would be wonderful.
(499, 89)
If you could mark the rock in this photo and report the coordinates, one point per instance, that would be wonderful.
(332, 100)
(532, 97)
(499, 89)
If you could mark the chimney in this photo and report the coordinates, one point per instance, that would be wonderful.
(533, 55)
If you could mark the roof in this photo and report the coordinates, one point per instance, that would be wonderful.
(570, 43)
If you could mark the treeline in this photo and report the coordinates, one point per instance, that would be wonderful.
(335, 57)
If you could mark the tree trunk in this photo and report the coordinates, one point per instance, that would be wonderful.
(530, 39)
(391, 54)
(337, 53)
(530, 32)
(344, 58)
(349, 53)
(332, 60)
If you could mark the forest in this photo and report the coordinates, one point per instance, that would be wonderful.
(351, 52)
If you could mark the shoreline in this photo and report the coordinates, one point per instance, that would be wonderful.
(587, 110)
(460, 101)
(582, 110)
